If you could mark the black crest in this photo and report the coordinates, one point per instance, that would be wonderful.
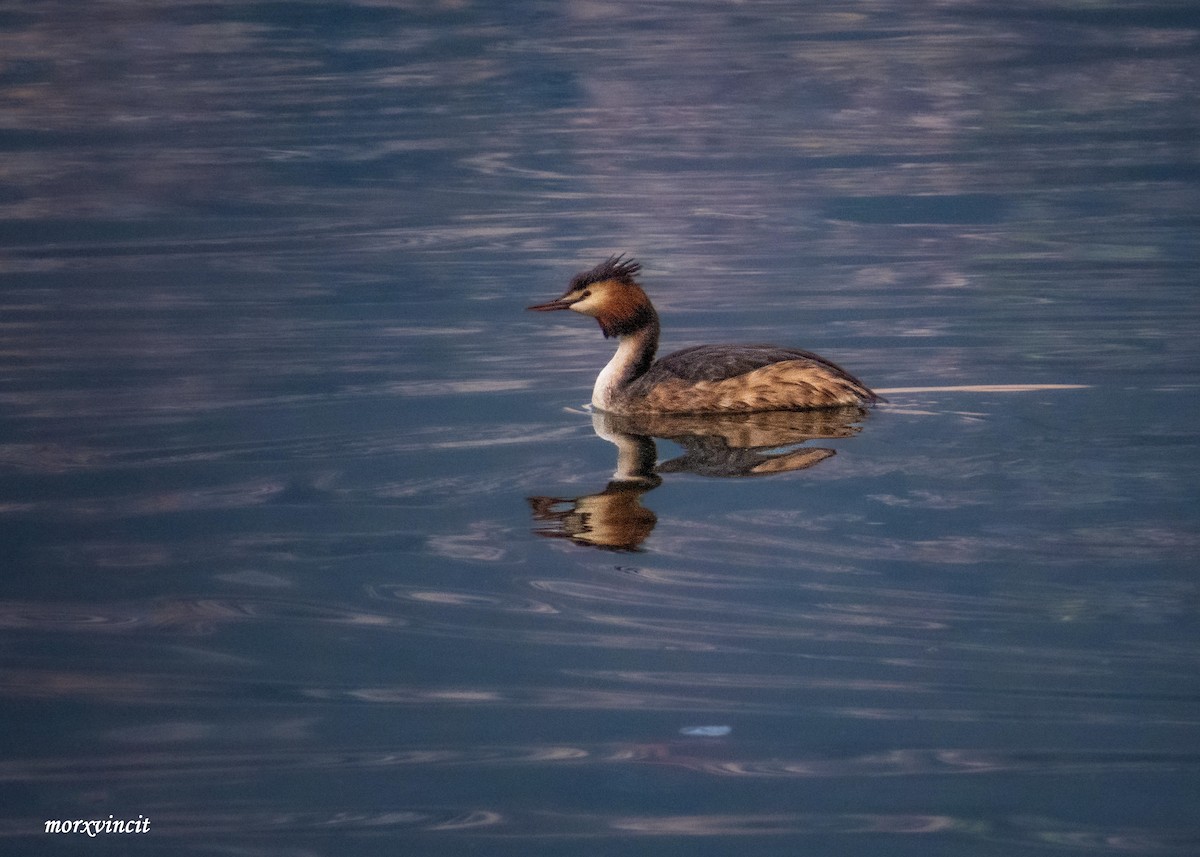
(612, 268)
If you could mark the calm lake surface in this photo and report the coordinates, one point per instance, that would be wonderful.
(312, 547)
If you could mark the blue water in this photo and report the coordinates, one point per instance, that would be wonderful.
(311, 545)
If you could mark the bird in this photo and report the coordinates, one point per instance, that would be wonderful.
(704, 379)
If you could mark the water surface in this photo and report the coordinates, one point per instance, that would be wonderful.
(312, 547)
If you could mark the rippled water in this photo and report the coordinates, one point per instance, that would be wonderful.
(310, 546)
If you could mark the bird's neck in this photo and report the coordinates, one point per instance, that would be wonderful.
(635, 354)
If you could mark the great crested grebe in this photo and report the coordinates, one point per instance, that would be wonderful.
(702, 379)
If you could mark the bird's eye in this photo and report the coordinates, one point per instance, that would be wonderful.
(587, 293)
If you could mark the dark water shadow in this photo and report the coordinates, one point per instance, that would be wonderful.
(725, 446)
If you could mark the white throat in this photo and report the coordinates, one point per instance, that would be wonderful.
(618, 372)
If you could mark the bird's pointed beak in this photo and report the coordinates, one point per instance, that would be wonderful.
(561, 303)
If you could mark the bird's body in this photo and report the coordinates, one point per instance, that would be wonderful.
(701, 379)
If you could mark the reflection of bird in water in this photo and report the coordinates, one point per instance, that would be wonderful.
(615, 518)
(729, 446)
(703, 379)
